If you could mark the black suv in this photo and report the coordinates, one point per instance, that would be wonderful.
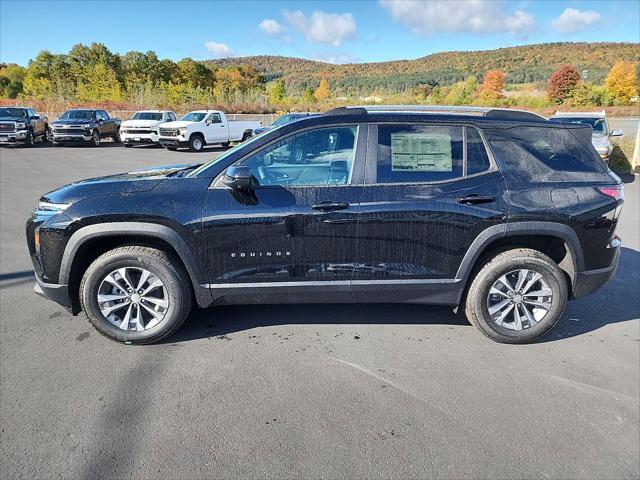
(502, 213)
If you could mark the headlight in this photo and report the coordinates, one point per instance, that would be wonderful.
(182, 131)
(86, 125)
(21, 125)
(52, 207)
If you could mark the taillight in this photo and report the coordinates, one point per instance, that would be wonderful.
(614, 191)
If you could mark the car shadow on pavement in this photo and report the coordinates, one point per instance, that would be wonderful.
(618, 301)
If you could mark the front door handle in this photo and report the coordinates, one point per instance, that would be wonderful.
(475, 199)
(330, 206)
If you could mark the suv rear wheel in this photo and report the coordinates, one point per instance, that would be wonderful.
(518, 296)
(136, 295)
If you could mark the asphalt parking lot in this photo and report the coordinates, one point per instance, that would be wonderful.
(331, 391)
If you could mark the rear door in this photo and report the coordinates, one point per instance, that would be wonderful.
(294, 237)
(429, 191)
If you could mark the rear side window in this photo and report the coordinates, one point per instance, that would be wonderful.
(419, 153)
(477, 157)
(541, 152)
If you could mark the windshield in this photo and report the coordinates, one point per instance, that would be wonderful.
(194, 116)
(599, 125)
(210, 163)
(77, 115)
(12, 112)
(147, 116)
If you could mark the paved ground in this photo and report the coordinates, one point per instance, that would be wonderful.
(307, 391)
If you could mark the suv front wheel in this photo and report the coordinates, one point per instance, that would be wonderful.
(518, 296)
(136, 295)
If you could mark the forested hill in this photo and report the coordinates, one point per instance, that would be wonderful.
(528, 63)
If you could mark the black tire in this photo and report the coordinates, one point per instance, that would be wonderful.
(171, 149)
(168, 270)
(28, 141)
(196, 142)
(47, 137)
(127, 145)
(477, 300)
(95, 138)
(116, 137)
(246, 136)
(224, 144)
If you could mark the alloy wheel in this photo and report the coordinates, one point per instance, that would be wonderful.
(133, 298)
(519, 299)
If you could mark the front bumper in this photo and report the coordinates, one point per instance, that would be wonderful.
(138, 137)
(13, 137)
(57, 293)
(589, 281)
(71, 137)
(176, 142)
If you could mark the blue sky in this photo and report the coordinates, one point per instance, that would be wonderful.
(334, 31)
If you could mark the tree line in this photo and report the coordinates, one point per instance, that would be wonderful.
(94, 74)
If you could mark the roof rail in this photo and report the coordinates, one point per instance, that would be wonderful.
(497, 113)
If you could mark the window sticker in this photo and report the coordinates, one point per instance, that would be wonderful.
(421, 152)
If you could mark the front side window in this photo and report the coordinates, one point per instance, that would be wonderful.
(323, 156)
(419, 153)
(214, 118)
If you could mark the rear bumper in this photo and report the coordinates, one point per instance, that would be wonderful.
(589, 281)
(57, 293)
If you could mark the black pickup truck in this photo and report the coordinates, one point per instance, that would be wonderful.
(85, 126)
(22, 125)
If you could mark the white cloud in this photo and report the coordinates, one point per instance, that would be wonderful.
(271, 27)
(219, 50)
(428, 18)
(321, 27)
(573, 21)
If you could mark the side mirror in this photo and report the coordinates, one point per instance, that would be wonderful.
(616, 133)
(238, 178)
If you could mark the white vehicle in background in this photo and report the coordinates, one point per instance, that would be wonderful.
(601, 136)
(204, 127)
(143, 126)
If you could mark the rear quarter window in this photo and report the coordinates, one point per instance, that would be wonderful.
(546, 153)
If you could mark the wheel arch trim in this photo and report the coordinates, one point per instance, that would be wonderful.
(497, 232)
(152, 230)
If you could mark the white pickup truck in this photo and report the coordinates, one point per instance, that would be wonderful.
(204, 127)
(143, 126)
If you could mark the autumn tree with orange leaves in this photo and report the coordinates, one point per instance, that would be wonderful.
(493, 85)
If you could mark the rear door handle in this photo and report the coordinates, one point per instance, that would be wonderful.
(475, 199)
(330, 206)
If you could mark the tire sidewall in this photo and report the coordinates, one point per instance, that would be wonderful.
(553, 276)
(95, 138)
(178, 301)
(192, 142)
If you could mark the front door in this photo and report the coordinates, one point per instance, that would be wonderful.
(430, 190)
(293, 238)
(215, 130)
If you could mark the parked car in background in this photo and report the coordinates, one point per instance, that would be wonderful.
(601, 133)
(85, 125)
(283, 120)
(142, 127)
(197, 129)
(501, 213)
(22, 125)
